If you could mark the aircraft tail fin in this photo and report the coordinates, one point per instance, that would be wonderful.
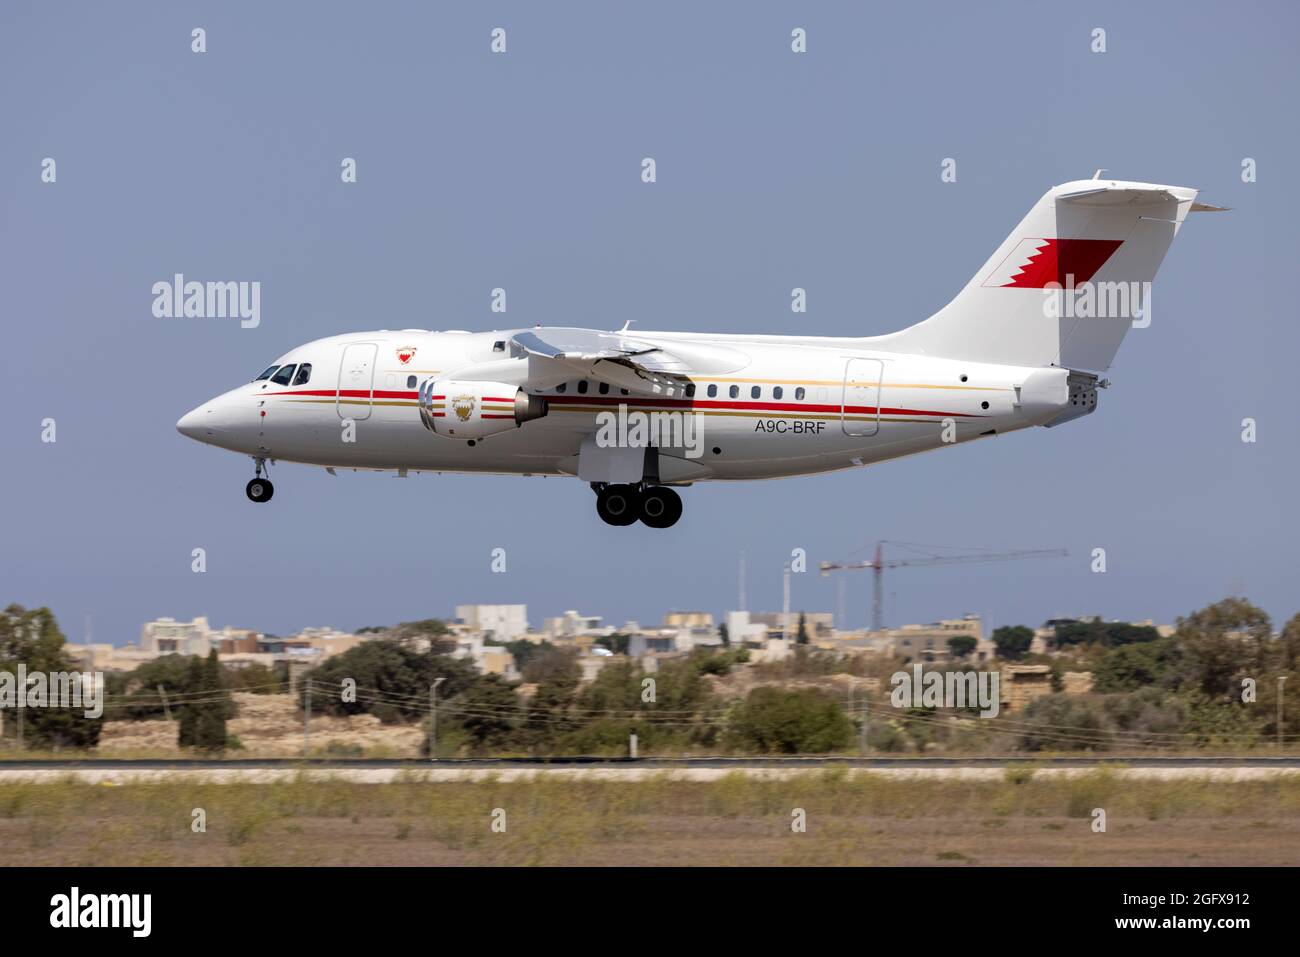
(1066, 285)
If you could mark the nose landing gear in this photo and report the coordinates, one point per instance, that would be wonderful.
(259, 489)
(655, 505)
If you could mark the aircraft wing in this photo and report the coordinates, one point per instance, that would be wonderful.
(636, 363)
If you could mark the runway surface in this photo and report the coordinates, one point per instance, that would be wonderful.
(110, 771)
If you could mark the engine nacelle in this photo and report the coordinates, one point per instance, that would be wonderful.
(473, 409)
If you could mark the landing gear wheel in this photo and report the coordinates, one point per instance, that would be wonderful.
(660, 507)
(259, 490)
(618, 504)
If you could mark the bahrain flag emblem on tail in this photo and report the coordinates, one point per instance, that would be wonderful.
(1034, 263)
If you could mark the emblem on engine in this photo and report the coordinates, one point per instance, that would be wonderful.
(463, 406)
(405, 354)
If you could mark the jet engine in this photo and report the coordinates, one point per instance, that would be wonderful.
(474, 409)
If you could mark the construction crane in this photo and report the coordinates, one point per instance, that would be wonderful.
(879, 564)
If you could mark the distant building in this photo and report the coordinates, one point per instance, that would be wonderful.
(167, 636)
(101, 656)
(818, 624)
(742, 631)
(1021, 684)
(488, 659)
(688, 619)
(573, 625)
(689, 637)
(642, 643)
(502, 622)
(927, 642)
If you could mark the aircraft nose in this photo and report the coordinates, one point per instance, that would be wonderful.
(191, 424)
(206, 422)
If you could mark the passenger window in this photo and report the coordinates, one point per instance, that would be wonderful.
(304, 374)
(283, 376)
(799, 393)
(713, 391)
(755, 392)
(734, 391)
(410, 382)
(624, 391)
(267, 374)
(604, 388)
(778, 392)
(561, 387)
(582, 387)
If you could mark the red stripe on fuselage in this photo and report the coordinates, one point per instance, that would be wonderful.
(757, 405)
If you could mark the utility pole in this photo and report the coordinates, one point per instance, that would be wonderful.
(862, 744)
(878, 591)
(166, 707)
(785, 605)
(306, 724)
(433, 718)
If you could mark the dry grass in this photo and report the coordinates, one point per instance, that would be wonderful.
(739, 820)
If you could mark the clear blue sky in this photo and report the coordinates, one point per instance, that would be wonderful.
(522, 171)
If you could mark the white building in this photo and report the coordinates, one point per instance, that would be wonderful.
(572, 624)
(165, 636)
(488, 659)
(741, 631)
(502, 622)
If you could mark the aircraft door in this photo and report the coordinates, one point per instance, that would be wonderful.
(356, 381)
(860, 405)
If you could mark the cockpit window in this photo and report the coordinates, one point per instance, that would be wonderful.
(304, 373)
(284, 375)
(267, 374)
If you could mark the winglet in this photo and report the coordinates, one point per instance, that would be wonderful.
(1207, 208)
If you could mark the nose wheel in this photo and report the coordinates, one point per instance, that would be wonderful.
(656, 506)
(260, 488)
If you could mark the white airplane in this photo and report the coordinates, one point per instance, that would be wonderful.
(637, 415)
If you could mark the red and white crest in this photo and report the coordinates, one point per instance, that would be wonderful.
(405, 354)
(1034, 263)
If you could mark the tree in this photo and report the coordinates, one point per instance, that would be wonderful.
(187, 735)
(490, 713)
(1060, 722)
(392, 680)
(210, 721)
(549, 706)
(32, 638)
(544, 661)
(1108, 634)
(1223, 643)
(1012, 641)
(141, 700)
(1130, 667)
(959, 646)
(776, 721)
(725, 635)
(1289, 645)
(801, 636)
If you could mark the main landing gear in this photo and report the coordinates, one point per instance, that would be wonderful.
(259, 489)
(655, 505)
